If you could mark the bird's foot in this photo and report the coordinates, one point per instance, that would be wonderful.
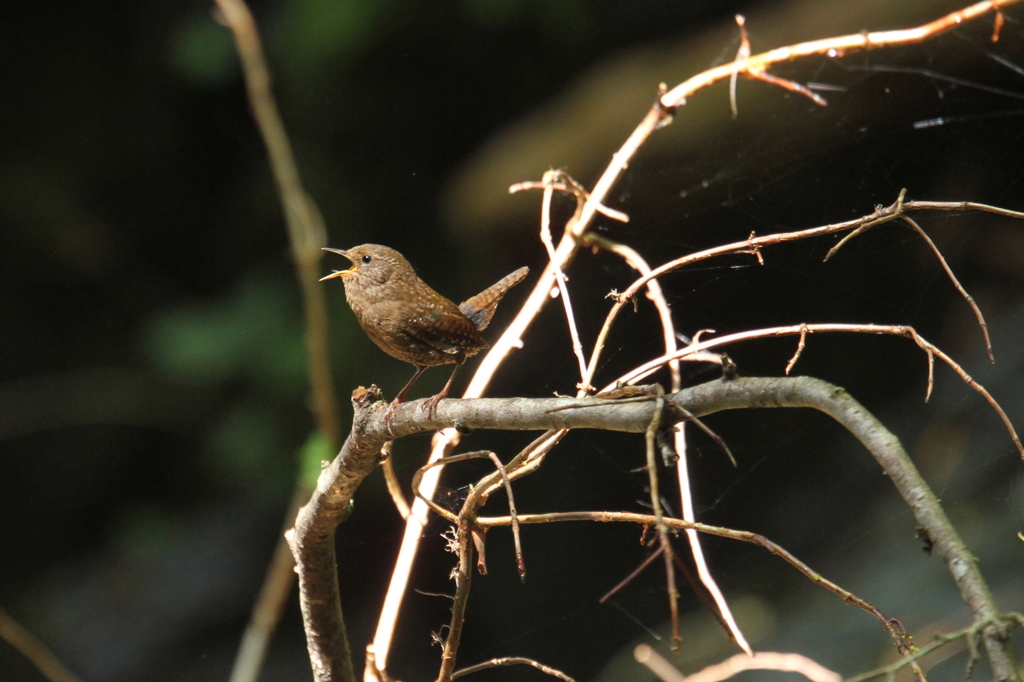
(430, 404)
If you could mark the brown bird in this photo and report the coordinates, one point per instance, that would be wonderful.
(410, 321)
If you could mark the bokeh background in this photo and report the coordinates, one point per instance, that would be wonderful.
(153, 389)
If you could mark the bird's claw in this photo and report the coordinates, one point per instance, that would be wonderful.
(430, 405)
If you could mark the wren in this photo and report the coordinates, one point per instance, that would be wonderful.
(410, 321)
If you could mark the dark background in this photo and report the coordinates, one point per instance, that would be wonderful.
(153, 391)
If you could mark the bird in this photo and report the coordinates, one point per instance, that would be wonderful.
(410, 321)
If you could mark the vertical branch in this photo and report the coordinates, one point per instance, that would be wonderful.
(463, 580)
(306, 235)
(441, 446)
(560, 278)
(305, 225)
(663, 536)
(698, 553)
(329, 653)
(512, 338)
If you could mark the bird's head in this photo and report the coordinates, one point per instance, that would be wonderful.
(372, 264)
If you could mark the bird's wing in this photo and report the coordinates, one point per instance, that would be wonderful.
(448, 330)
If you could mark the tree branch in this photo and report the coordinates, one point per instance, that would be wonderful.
(312, 538)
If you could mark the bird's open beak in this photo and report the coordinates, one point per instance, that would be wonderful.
(339, 273)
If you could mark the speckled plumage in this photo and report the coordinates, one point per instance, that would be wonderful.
(410, 321)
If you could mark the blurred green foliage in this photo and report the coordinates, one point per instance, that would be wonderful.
(203, 52)
(145, 532)
(247, 447)
(253, 332)
(315, 451)
(247, 346)
(313, 33)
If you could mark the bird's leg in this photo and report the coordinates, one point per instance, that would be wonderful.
(389, 414)
(430, 404)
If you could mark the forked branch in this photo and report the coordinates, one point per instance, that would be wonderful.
(636, 416)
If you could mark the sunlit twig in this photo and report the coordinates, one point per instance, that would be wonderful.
(512, 660)
(686, 498)
(545, 237)
(832, 47)
(762, 660)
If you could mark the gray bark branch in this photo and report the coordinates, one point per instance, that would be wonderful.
(312, 537)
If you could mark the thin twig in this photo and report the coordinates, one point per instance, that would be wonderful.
(898, 209)
(706, 577)
(512, 660)
(560, 279)
(654, 292)
(1007, 621)
(839, 46)
(639, 373)
(394, 487)
(520, 557)
(799, 350)
(956, 283)
(742, 53)
(762, 660)
(891, 625)
(719, 441)
(565, 183)
(632, 574)
(659, 520)
(792, 86)
(463, 579)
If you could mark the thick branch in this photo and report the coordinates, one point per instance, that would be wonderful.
(312, 537)
(312, 540)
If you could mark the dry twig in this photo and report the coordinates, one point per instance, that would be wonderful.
(639, 373)
(512, 660)
(762, 660)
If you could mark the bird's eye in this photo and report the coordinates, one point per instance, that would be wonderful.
(367, 259)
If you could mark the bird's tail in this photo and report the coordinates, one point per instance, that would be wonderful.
(480, 308)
